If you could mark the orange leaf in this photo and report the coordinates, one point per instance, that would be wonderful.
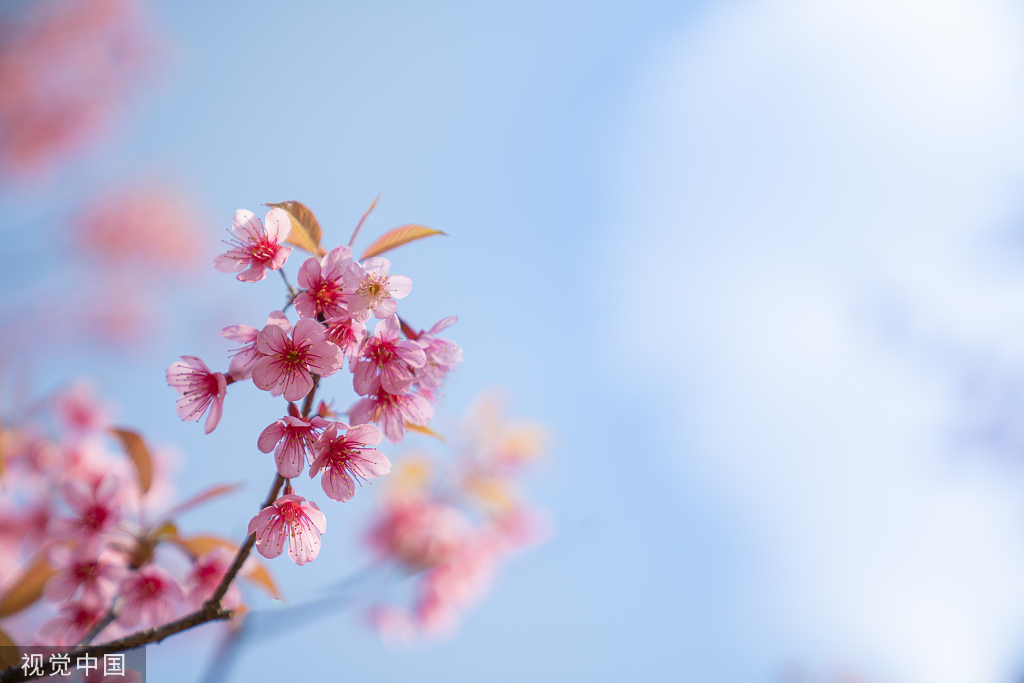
(396, 237)
(305, 233)
(136, 449)
(27, 589)
(260, 576)
(423, 430)
(200, 545)
(200, 498)
(9, 655)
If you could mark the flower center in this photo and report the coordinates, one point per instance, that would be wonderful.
(262, 249)
(373, 287)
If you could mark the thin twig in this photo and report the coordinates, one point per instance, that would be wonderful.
(14, 674)
(100, 625)
(212, 609)
(362, 220)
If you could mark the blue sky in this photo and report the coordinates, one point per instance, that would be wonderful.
(756, 264)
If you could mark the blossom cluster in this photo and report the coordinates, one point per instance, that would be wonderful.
(78, 517)
(64, 67)
(452, 530)
(396, 372)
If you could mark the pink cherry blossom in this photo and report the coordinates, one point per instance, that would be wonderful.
(206, 574)
(293, 438)
(290, 518)
(373, 290)
(79, 409)
(442, 355)
(387, 360)
(244, 358)
(392, 411)
(343, 459)
(74, 621)
(87, 565)
(420, 534)
(95, 509)
(348, 334)
(256, 248)
(200, 390)
(322, 280)
(151, 596)
(287, 364)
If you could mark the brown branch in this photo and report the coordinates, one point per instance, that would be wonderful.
(100, 625)
(212, 609)
(209, 612)
(243, 553)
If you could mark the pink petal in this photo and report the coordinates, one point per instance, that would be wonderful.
(335, 263)
(231, 261)
(337, 485)
(325, 358)
(364, 378)
(279, 319)
(240, 333)
(384, 308)
(365, 434)
(280, 258)
(361, 412)
(216, 410)
(278, 225)
(298, 383)
(246, 226)
(411, 353)
(373, 463)
(271, 340)
(399, 286)
(309, 331)
(304, 543)
(442, 323)
(270, 436)
(309, 273)
(255, 273)
(289, 458)
(266, 374)
(312, 511)
(376, 264)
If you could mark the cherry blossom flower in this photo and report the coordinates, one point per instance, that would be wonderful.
(420, 534)
(324, 295)
(293, 518)
(373, 290)
(345, 458)
(387, 360)
(256, 248)
(392, 411)
(74, 621)
(286, 364)
(200, 390)
(65, 69)
(244, 358)
(151, 596)
(87, 565)
(206, 574)
(348, 334)
(442, 355)
(95, 507)
(79, 409)
(293, 438)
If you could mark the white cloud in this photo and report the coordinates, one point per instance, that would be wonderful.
(793, 168)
